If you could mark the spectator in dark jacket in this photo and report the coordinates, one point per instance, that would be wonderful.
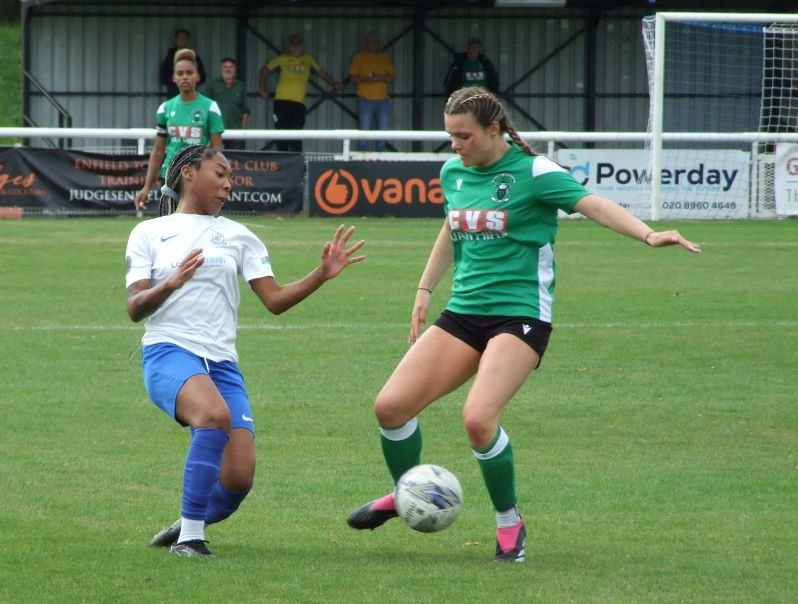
(182, 40)
(471, 68)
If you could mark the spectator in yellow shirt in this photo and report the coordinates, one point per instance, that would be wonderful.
(292, 86)
(371, 71)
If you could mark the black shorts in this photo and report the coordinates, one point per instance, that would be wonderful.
(477, 330)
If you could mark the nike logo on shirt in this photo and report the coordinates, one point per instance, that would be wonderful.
(246, 418)
(168, 237)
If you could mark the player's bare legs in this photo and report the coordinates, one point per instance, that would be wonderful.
(505, 365)
(434, 366)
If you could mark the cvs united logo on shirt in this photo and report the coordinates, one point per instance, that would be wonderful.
(478, 221)
(185, 132)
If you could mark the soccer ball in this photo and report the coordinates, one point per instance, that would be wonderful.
(428, 498)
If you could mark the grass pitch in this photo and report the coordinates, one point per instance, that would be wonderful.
(656, 449)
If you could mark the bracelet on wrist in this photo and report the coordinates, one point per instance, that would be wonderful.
(429, 291)
(645, 239)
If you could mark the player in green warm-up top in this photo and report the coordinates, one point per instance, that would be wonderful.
(189, 118)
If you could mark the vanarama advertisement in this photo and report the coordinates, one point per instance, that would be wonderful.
(375, 188)
(696, 183)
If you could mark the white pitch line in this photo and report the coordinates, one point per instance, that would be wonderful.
(392, 326)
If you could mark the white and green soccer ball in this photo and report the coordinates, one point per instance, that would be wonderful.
(428, 498)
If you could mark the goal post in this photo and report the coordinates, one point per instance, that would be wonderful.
(723, 115)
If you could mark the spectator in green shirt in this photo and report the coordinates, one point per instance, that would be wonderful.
(231, 95)
(471, 68)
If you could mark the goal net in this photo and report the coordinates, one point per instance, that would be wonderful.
(723, 119)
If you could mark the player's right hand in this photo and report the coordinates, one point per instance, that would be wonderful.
(140, 202)
(418, 319)
(186, 269)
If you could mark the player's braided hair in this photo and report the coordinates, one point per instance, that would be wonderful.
(170, 191)
(486, 109)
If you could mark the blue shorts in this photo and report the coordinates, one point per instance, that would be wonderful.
(166, 368)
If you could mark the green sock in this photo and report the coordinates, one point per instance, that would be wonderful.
(401, 447)
(498, 470)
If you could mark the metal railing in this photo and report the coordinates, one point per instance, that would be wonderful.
(64, 118)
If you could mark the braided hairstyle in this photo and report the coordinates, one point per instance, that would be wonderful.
(171, 190)
(486, 109)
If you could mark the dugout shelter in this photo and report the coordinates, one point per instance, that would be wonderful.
(565, 65)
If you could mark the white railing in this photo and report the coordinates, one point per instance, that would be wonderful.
(144, 136)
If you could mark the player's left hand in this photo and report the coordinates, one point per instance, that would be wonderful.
(335, 256)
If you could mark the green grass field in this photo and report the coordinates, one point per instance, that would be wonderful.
(656, 449)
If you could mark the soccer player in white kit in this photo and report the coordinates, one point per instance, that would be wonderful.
(182, 272)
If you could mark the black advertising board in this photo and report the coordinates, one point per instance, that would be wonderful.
(64, 179)
(375, 188)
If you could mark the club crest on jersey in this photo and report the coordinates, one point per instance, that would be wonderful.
(501, 187)
(217, 238)
(197, 116)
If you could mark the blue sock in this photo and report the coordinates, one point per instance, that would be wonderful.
(223, 503)
(201, 471)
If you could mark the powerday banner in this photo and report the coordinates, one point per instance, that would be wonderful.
(60, 179)
(785, 183)
(696, 183)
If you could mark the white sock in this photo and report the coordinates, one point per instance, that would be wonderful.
(508, 518)
(191, 530)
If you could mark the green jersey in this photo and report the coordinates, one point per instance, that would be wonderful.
(474, 74)
(232, 101)
(187, 124)
(503, 220)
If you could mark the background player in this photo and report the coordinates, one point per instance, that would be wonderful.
(189, 118)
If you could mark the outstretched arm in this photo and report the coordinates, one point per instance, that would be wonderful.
(609, 214)
(327, 77)
(335, 257)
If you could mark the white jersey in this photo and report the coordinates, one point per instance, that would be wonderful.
(201, 316)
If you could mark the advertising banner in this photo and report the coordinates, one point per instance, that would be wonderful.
(786, 179)
(375, 188)
(696, 183)
(61, 179)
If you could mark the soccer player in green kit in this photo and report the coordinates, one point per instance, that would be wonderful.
(501, 205)
(189, 118)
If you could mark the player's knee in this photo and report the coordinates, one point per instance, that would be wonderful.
(214, 416)
(389, 412)
(478, 428)
(239, 480)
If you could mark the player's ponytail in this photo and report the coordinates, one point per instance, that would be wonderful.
(486, 109)
(172, 188)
